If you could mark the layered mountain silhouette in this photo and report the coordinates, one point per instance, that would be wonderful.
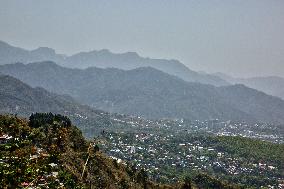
(10, 54)
(104, 59)
(131, 60)
(19, 98)
(272, 85)
(150, 93)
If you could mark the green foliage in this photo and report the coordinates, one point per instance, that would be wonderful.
(187, 183)
(256, 150)
(41, 119)
(49, 151)
(205, 181)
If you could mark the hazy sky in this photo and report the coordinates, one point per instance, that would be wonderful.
(240, 37)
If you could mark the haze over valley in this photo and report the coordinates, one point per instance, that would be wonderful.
(164, 94)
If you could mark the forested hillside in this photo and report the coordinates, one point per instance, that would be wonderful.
(151, 93)
(48, 151)
(18, 98)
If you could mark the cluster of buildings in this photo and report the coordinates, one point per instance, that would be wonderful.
(262, 131)
(166, 155)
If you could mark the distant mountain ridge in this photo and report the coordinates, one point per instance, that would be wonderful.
(150, 93)
(19, 98)
(131, 60)
(104, 59)
(10, 54)
(272, 85)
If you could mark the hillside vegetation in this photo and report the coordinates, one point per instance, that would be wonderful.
(48, 151)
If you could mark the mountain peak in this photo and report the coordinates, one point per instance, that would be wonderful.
(107, 52)
(44, 50)
(2, 43)
(131, 54)
(105, 59)
(103, 51)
